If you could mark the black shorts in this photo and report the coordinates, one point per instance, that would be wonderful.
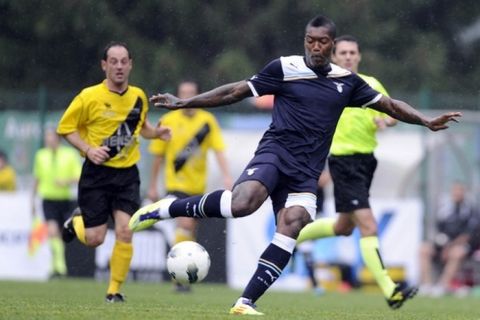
(103, 189)
(352, 177)
(58, 210)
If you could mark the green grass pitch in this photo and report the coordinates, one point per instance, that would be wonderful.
(83, 299)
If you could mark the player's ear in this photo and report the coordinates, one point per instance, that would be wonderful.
(333, 59)
(359, 57)
(104, 65)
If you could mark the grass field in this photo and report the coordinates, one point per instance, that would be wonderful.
(82, 299)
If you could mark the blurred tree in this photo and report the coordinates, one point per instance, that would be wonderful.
(408, 44)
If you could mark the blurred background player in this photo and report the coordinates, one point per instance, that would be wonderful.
(8, 180)
(454, 240)
(194, 133)
(352, 165)
(104, 123)
(56, 170)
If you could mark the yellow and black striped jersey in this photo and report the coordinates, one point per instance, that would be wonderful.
(106, 118)
(185, 155)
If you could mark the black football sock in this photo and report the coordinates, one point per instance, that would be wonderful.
(216, 204)
(270, 266)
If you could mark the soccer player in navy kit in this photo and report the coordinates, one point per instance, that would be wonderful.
(310, 94)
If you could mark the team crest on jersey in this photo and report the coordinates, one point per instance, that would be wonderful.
(339, 86)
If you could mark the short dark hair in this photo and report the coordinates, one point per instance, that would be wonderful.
(322, 21)
(112, 44)
(348, 38)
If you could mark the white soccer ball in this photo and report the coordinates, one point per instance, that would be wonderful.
(188, 262)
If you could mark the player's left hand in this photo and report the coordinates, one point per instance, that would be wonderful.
(380, 123)
(164, 133)
(440, 122)
(167, 100)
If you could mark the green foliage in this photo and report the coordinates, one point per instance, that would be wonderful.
(56, 43)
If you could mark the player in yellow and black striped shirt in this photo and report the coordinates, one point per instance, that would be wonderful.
(194, 133)
(104, 123)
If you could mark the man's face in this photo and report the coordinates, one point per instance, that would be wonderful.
(318, 46)
(347, 55)
(187, 90)
(458, 192)
(118, 65)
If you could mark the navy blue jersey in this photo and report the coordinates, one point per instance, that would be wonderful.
(307, 106)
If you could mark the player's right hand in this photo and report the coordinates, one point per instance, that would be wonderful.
(167, 100)
(98, 155)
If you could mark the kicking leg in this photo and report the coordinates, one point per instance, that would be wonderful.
(246, 197)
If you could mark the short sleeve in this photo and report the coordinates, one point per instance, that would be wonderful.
(73, 117)
(363, 95)
(158, 147)
(216, 139)
(267, 81)
(143, 96)
(377, 85)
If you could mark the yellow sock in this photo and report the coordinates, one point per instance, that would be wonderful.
(119, 265)
(182, 234)
(369, 247)
(58, 256)
(79, 228)
(320, 228)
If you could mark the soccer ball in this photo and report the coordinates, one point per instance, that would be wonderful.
(188, 262)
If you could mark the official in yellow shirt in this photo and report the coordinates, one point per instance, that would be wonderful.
(56, 170)
(352, 165)
(8, 178)
(194, 133)
(104, 122)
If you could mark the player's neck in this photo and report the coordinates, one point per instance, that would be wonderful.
(118, 88)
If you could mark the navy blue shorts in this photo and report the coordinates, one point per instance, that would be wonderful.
(266, 168)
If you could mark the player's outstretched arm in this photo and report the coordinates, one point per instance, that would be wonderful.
(402, 111)
(223, 95)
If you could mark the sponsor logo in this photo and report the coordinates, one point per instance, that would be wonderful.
(339, 86)
(272, 277)
(251, 171)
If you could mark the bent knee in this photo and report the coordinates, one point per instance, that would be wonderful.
(95, 237)
(94, 241)
(243, 208)
(292, 220)
(343, 230)
(244, 204)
